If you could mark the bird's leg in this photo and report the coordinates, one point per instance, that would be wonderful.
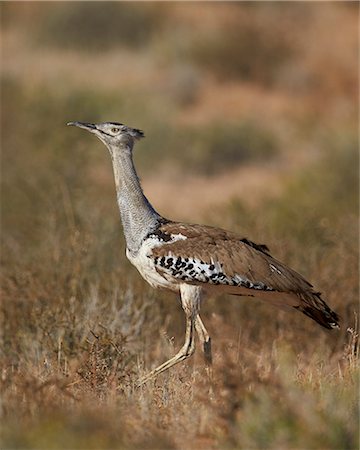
(190, 306)
(206, 346)
(204, 339)
(186, 350)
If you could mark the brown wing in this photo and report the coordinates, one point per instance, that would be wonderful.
(212, 257)
(235, 257)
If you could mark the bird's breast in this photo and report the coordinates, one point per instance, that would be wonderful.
(145, 264)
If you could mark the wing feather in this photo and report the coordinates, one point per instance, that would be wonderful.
(233, 255)
(220, 259)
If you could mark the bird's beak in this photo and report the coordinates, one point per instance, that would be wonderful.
(86, 126)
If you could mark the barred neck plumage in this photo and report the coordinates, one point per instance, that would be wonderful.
(138, 216)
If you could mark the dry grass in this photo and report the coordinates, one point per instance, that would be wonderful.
(79, 326)
(69, 379)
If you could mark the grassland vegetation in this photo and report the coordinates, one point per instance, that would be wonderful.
(80, 326)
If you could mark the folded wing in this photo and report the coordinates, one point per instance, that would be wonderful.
(221, 260)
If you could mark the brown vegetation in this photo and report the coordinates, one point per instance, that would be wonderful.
(267, 150)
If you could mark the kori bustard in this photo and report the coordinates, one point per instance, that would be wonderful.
(190, 259)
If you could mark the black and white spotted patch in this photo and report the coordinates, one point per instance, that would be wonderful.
(160, 236)
(195, 270)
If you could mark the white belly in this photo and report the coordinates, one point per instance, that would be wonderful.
(145, 265)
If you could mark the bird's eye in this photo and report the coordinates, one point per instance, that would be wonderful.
(115, 130)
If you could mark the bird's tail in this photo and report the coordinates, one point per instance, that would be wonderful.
(314, 307)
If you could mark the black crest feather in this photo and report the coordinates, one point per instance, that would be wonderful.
(135, 133)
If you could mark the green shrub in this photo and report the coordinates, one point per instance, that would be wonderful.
(326, 193)
(93, 26)
(249, 49)
(222, 145)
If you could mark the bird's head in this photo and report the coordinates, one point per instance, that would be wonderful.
(113, 134)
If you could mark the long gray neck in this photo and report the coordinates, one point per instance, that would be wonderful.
(138, 217)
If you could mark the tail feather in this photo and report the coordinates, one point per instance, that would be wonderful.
(308, 302)
(313, 306)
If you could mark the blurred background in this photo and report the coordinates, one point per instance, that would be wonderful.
(250, 111)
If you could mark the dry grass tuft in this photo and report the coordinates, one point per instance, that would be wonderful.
(79, 326)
